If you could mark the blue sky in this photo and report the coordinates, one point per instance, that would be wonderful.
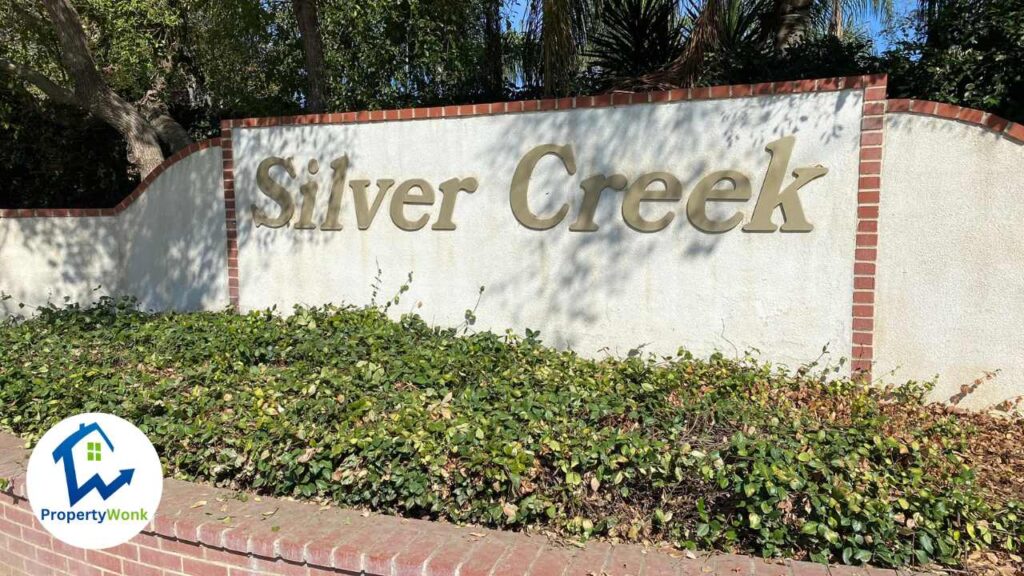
(874, 24)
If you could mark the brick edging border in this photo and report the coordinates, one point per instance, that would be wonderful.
(1013, 131)
(140, 188)
(201, 530)
(575, 102)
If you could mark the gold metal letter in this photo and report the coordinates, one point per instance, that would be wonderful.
(364, 213)
(706, 191)
(793, 219)
(639, 192)
(333, 220)
(449, 190)
(521, 184)
(308, 191)
(402, 197)
(592, 188)
(275, 192)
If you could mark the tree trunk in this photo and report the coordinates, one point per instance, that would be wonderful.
(494, 69)
(313, 47)
(93, 94)
(835, 27)
(792, 17)
(558, 47)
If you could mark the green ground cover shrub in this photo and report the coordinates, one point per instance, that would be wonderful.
(344, 405)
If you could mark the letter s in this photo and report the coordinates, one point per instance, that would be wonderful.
(275, 192)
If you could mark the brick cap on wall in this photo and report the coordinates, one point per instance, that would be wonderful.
(1013, 131)
(205, 530)
(123, 204)
(870, 83)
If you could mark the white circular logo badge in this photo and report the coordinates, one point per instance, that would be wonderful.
(94, 481)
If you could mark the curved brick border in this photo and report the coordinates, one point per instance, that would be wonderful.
(1013, 131)
(205, 531)
(140, 188)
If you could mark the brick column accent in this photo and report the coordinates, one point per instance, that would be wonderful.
(869, 188)
(230, 219)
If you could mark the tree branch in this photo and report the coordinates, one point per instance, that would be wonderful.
(51, 89)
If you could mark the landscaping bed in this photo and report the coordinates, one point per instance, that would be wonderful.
(346, 406)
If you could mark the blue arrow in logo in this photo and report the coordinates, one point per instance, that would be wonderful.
(76, 492)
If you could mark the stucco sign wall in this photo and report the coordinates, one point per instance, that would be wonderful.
(771, 217)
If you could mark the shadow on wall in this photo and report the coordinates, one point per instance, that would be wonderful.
(676, 287)
(167, 248)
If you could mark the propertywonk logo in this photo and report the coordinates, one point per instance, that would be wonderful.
(94, 481)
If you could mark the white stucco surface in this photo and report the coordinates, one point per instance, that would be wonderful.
(175, 254)
(786, 294)
(167, 248)
(57, 260)
(950, 292)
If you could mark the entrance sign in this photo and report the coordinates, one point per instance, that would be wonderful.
(649, 187)
(783, 219)
(707, 224)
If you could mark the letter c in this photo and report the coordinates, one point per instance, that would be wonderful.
(521, 185)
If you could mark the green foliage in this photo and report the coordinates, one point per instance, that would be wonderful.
(345, 405)
(966, 52)
(633, 38)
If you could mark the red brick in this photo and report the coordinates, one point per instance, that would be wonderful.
(864, 283)
(867, 211)
(68, 550)
(194, 567)
(867, 239)
(18, 516)
(995, 122)
(863, 366)
(863, 311)
(870, 167)
(37, 569)
(854, 82)
(592, 559)
(871, 153)
(875, 93)
(847, 571)
(863, 324)
(971, 115)
(36, 537)
(733, 565)
(785, 87)
(518, 558)
(602, 100)
(225, 557)
(873, 108)
(564, 103)
(624, 559)
(680, 94)
(22, 548)
(128, 550)
(349, 555)
(1016, 132)
(103, 560)
(78, 568)
(770, 567)
(829, 84)
(700, 92)
(408, 554)
(862, 352)
(871, 139)
(870, 182)
(277, 568)
(135, 569)
(553, 561)
(660, 96)
(872, 123)
(742, 90)
(483, 558)
(448, 557)
(923, 107)
(808, 568)
(161, 559)
(719, 92)
(620, 98)
(808, 85)
(51, 559)
(659, 564)
(863, 338)
(947, 110)
(865, 254)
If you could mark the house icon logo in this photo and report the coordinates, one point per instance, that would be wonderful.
(94, 481)
(65, 453)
